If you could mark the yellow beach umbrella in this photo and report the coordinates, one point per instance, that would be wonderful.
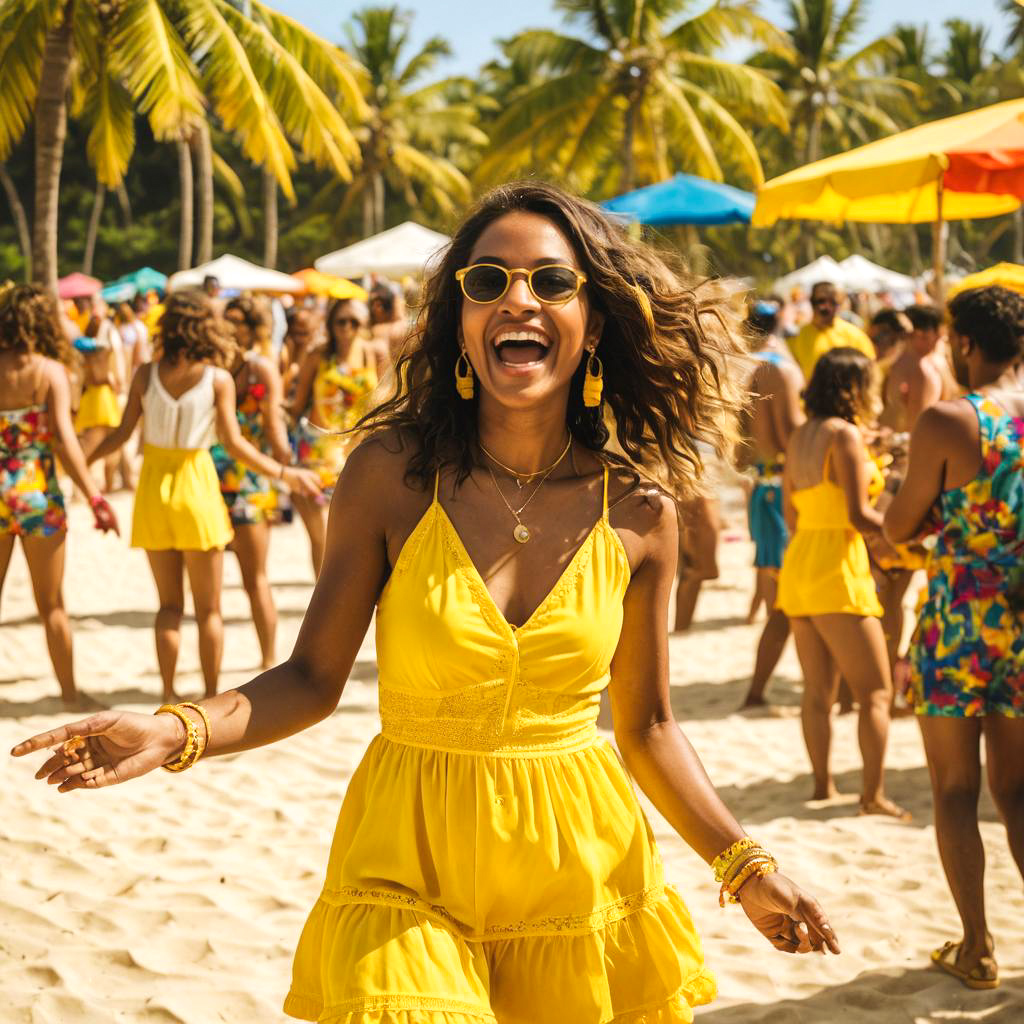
(1008, 275)
(330, 285)
(960, 167)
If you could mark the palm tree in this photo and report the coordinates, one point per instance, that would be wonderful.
(269, 81)
(639, 92)
(405, 140)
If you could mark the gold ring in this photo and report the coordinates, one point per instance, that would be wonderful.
(71, 747)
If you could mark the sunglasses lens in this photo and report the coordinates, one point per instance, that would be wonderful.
(554, 284)
(485, 284)
(343, 321)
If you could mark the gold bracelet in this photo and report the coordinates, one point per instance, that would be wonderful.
(724, 861)
(754, 854)
(730, 891)
(206, 722)
(187, 756)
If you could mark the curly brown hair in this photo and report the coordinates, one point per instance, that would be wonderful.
(191, 329)
(842, 384)
(256, 316)
(666, 344)
(993, 319)
(29, 322)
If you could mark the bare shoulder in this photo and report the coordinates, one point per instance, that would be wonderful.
(945, 420)
(379, 465)
(642, 511)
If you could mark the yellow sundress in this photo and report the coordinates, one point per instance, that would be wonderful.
(491, 863)
(826, 569)
(98, 407)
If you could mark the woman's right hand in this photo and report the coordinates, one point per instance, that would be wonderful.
(116, 746)
(302, 481)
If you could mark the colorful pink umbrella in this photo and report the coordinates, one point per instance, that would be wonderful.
(78, 286)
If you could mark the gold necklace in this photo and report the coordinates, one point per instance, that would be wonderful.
(524, 478)
(521, 533)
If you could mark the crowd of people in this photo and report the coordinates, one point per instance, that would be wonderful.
(869, 454)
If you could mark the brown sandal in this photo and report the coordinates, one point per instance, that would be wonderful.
(983, 975)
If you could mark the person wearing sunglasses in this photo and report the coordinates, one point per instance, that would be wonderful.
(332, 391)
(826, 331)
(491, 859)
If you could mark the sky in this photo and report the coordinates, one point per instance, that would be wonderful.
(472, 25)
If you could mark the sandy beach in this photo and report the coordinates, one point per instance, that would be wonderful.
(180, 899)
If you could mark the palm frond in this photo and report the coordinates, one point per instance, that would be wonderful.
(22, 36)
(109, 111)
(727, 129)
(738, 82)
(156, 69)
(543, 49)
(425, 60)
(679, 107)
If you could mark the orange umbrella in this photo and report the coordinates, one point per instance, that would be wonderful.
(329, 285)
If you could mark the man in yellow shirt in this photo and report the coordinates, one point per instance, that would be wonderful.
(826, 331)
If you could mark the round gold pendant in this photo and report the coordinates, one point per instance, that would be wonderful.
(521, 534)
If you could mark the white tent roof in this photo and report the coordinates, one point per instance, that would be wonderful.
(824, 268)
(861, 275)
(236, 274)
(406, 249)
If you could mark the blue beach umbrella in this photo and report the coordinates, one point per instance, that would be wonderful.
(685, 199)
(125, 288)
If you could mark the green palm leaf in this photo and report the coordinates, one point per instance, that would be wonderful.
(22, 35)
(110, 112)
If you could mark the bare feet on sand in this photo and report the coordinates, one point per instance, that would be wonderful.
(886, 807)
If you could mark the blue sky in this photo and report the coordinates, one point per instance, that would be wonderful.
(471, 25)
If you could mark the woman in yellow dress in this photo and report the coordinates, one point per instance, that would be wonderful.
(99, 408)
(492, 864)
(825, 584)
(187, 401)
(332, 391)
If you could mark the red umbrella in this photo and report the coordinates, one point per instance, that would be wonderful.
(78, 286)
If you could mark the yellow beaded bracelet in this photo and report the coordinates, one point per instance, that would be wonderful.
(727, 858)
(201, 711)
(730, 893)
(187, 757)
(755, 853)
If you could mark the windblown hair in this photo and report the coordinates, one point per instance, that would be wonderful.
(29, 322)
(843, 385)
(666, 345)
(257, 319)
(993, 319)
(191, 329)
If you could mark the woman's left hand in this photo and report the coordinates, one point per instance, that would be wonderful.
(790, 919)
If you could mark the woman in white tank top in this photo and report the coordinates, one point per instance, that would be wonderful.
(187, 402)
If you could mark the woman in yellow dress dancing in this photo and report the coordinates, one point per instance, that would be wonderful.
(491, 863)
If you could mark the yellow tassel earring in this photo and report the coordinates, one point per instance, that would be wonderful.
(593, 381)
(464, 376)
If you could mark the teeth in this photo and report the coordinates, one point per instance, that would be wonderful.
(528, 336)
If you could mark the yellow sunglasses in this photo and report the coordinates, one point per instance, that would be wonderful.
(554, 283)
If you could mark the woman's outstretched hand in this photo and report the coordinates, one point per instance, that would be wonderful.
(105, 749)
(787, 917)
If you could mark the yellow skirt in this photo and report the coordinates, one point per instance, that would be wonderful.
(178, 504)
(825, 572)
(98, 408)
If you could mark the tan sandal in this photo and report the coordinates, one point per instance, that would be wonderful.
(983, 975)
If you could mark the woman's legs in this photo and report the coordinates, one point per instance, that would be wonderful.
(205, 577)
(45, 558)
(772, 642)
(1004, 744)
(250, 545)
(951, 746)
(857, 645)
(167, 569)
(314, 518)
(892, 589)
(821, 679)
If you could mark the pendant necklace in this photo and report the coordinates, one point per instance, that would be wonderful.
(521, 533)
(525, 478)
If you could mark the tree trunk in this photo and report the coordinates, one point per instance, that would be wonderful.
(368, 206)
(916, 266)
(875, 242)
(204, 175)
(51, 126)
(1018, 235)
(378, 203)
(811, 153)
(269, 219)
(125, 204)
(20, 220)
(94, 228)
(628, 141)
(185, 228)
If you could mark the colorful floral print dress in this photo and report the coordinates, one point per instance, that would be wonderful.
(31, 502)
(967, 657)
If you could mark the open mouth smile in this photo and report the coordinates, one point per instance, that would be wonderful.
(521, 347)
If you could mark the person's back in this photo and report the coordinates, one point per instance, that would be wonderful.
(914, 380)
(178, 402)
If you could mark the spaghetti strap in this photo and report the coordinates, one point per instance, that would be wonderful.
(827, 464)
(437, 480)
(604, 501)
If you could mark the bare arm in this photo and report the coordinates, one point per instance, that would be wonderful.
(924, 390)
(304, 384)
(788, 508)
(849, 461)
(926, 473)
(132, 411)
(272, 408)
(229, 433)
(58, 403)
(787, 410)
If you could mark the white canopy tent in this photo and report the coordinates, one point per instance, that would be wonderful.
(861, 275)
(236, 274)
(824, 268)
(408, 248)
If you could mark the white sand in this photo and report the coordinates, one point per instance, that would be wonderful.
(179, 899)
